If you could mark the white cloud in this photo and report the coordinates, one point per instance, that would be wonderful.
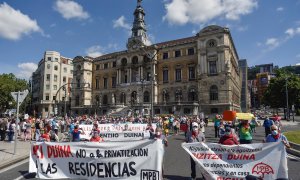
(70, 9)
(94, 51)
(292, 32)
(26, 70)
(14, 24)
(280, 9)
(121, 23)
(272, 43)
(242, 28)
(180, 12)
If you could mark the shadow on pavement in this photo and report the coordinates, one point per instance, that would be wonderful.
(27, 176)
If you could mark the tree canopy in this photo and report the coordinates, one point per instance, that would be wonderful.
(9, 83)
(275, 95)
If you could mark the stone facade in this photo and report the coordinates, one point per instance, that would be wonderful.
(184, 76)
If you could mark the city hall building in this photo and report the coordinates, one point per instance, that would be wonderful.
(183, 76)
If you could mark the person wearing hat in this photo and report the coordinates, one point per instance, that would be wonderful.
(194, 136)
(228, 138)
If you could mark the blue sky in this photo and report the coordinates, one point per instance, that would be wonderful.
(264, 31)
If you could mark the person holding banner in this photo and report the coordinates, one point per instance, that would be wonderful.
(194, 136)
(276, 136)
(95, 137)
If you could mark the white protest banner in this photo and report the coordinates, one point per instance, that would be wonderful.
(266, 160)
(138, 160)
(115, 128)
(124, 136)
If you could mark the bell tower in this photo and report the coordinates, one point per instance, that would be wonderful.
(139, 36)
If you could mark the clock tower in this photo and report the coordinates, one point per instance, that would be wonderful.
(139, 36)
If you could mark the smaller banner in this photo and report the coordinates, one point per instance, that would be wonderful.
(119, 130)
(138, 160)
(222, 162)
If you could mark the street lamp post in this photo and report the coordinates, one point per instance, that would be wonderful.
(287, 99)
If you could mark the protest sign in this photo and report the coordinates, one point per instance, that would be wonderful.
(107, 160)
(116, 128)
(236, 162)
(124, 136)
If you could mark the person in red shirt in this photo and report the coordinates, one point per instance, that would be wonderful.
(229, 137)
(96, 138)
(45, 136)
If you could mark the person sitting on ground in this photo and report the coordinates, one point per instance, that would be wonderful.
(229, 138)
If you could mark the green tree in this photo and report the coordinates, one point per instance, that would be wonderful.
(275, 95)
(9, 83)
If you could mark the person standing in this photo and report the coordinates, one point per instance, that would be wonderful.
(229, 138)
(245, 132)
(76, 134)
(217, 122)
(37, 130)
(11, 131)
(194, 136)
(267, 124)
(276, 136)
(3, 128)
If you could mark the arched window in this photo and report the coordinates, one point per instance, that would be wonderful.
(192, 96)
(133, 97)
(178, 95)
(105, 100)
(146, 96)
(78, 67)
(211, 43)
(146, 58)
(135, 60)
(213, 93)
(77, 100)
(123, 98)
(124, 61)
(165, 95)
(97, 100)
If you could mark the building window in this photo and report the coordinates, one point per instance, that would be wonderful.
(192, 74)
(211, 43)
(178, 95)
(105, 65)
(47, 87)
(65, 70)
(192, 96)
(191, 51)
(213, 93)
(97, 83)
(135, 60)
(54, 98)
(46, 109)
(56, 59)
(54, 87)
(212, 67)
(55, 68)
(165, 76)
(148, 77)
(178, 75)
(105, 100)
(146, 96)
(47, 97)
(64, 79)
(165, 55)
(105, 83)
(78, 83)
(113, 82)
(49, 58)
(114, 64)
(124, 61)
(125, 79)
(177, 53)
(123, 98)
(97, 67)
(55, 78)
(48, 77)
(77, 100)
